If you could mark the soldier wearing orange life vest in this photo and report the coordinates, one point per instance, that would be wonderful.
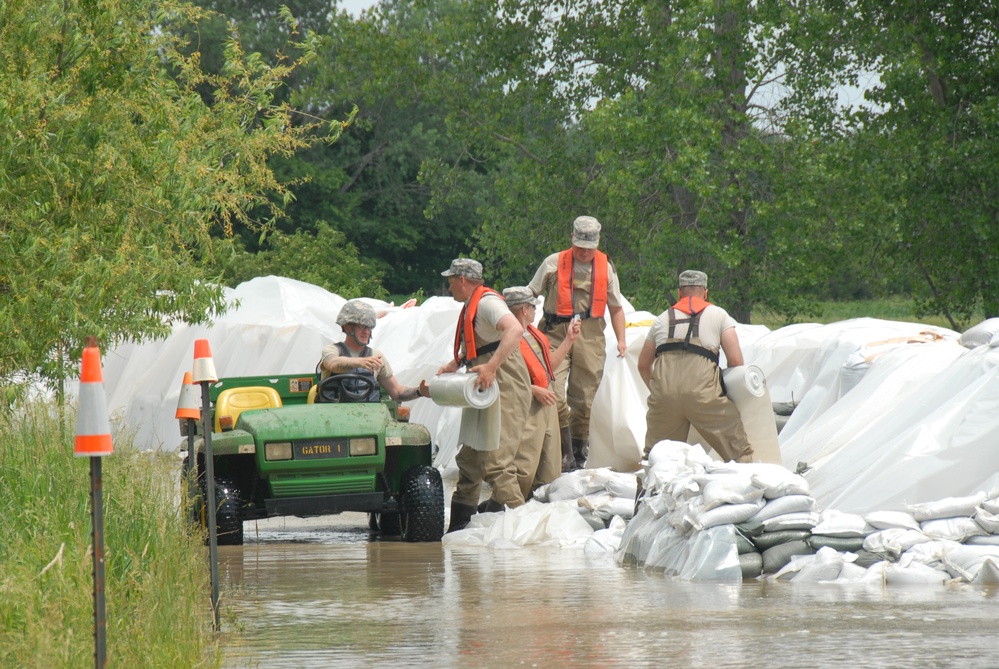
(580, 281)
(540, 457)
(679, 364)
(487, 341)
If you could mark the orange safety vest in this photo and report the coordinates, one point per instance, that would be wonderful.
(691, 305)
(599, 273)
(466, 326)
(540, 369)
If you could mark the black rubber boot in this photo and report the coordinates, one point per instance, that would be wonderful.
(460, 515)
(568, 459)
(491, 506)
(580, 451)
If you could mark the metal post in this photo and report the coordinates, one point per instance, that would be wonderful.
(97, 538)
(210, 503)
(192, 460)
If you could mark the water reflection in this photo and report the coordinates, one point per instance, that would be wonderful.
(325, 593)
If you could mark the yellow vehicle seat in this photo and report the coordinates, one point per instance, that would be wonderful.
(233, 401)
(311, 399)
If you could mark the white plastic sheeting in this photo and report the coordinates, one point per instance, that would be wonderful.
(880, 422)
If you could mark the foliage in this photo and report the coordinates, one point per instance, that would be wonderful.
(113, 171)
(325, 260)
(155, 571)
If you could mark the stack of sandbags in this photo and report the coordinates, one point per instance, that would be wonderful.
(955, 538)
(699, 518)
(600, 494)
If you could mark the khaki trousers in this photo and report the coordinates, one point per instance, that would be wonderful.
(497, 467)
(539, 459)
(685, 390)
(577, 378)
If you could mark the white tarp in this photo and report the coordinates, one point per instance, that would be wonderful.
(901, 423)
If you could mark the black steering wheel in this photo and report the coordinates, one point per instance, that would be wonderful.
(350, 387)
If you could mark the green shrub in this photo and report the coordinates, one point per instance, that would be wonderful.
(157, 589)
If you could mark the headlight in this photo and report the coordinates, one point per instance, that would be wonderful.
(363, 446)
(277, 450)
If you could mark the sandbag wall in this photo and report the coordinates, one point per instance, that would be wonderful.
(706, 520)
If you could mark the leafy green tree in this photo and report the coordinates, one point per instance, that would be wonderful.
(113, 171)
(325, 259)
(923, 164)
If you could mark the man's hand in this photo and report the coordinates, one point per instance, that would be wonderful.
(544, 396)
(424, 390)
(574, 330)
(450, 368)
(372, 363)
(622, 348)
(487, 375)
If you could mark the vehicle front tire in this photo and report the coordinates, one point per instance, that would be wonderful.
(228, 524)
(421, 496)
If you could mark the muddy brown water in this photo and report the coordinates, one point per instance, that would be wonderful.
(325, 592)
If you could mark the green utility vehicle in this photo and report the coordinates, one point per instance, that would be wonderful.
(286, 446)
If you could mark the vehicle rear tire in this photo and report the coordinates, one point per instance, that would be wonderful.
(390, 524)
(421, 498)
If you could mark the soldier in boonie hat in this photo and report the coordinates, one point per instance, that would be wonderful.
(693, 277)
(466, 267)
(517, 295)
(586, 232)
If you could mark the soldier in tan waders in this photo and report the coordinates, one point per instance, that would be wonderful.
(487, 342)
(579, 282)
(679, 364)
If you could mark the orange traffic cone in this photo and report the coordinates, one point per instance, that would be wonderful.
(204, 366)
(189, 402)
(93, 431)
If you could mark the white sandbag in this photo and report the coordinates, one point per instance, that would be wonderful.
(779, 506)
(986, 540)
(965, 562)
(727, 514)
(893, 541)
(987, 521)
(991, 505)
(915, 573)
(948, 507)
(571, 485)
(953, 529)
(719, 489)
(622, 484)
(713, 557)
(835, 523)
(746, 386)
(804, 520)
(605, 542)
(824, 565)
(459, 390)
(778, 481)
(886, 520)
(980, 334)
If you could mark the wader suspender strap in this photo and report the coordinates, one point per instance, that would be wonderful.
(482, 350)
(694, 321)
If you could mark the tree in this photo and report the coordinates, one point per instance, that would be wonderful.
(648, 116)
(924, 163)
(113, 170)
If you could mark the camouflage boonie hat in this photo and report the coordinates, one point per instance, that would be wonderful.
(355, 311)
(586, 232)
(466, 267)
(692, 277)
(518, 295)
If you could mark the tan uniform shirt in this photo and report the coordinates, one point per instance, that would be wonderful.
(545, 282)
(714, 320)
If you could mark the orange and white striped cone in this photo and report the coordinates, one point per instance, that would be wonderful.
(204, 366)
(93, 430)
(189, 402)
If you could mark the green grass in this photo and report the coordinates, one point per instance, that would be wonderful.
(891, 309)
(157, 588)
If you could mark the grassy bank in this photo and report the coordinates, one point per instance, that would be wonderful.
(891, 309)
(157, 588)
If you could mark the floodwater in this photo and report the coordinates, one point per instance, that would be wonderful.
(327, 593)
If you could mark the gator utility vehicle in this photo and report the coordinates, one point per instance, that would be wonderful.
(287, 446)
